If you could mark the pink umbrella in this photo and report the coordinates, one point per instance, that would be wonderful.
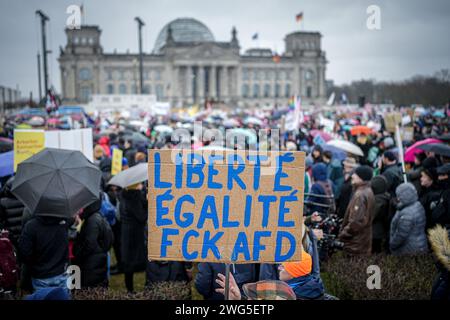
(325, 136)
(413, 150)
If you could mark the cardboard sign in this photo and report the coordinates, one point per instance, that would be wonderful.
(391, 120)
(225, 206)
(26, 144)
(407, 133)
(116, 162)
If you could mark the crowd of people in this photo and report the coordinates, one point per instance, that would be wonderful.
(381, 208)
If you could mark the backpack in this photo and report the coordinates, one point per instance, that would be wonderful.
(108, 210)
(9, 271)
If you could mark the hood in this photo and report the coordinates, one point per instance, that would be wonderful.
(379, 184)
(406, 194)
(103, 140)
(319, 172)
(92, 208)
(440, 243)
(105, 165)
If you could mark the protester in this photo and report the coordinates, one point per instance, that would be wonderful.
(430, 190)
(356, 229)
(380, 224)
(44, 247)
(440, 243)
(205, 279)
(133, 216)
(334, 172)
(441, 212)
(391, 171)
(11, 212)
(346, 189)
(321, 198)
(407, 233)
(162, 271)
(92, 246)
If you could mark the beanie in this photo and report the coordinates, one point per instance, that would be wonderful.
(299, 268)
(364, 172)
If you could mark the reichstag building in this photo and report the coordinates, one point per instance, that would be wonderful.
(189, 66)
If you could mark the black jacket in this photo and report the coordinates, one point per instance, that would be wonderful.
(205, 280)
(158, 271)
(11, 210)
(429, 198)
(44, 246)
(133, 216)
(91, 248)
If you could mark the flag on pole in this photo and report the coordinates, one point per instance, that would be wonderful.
(255, 36)
(299, 17)
(276, 58)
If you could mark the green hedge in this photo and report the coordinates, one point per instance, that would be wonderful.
(158, 291)
(402, 278)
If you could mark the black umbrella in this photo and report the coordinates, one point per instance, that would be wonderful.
(438, 148)
(56, 182)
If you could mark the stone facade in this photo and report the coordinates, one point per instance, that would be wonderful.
(189, 72)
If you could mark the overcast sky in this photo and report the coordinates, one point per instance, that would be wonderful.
(414, 35)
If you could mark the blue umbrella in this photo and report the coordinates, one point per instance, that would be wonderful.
(6, 164)
(438, 114)
(337, 153)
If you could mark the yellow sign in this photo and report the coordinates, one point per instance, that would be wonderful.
(116, 166)
(26, 144)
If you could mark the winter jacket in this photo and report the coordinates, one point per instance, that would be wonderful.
(335, 174)
(92, 246)
(133, 216)
(440, 243)
(393, 175)
(44, 246)
(345, 197)
(356, 229)
(160, 271)
(205, 280)
(322, 186)
(407, 235)
(429, 198)
(11, 211)
(307, 287)
(441, 213)
(380, 226)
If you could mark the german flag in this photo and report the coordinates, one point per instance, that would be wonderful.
(276, 58)
(299, 17)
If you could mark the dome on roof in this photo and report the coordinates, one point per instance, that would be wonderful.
(183, 30)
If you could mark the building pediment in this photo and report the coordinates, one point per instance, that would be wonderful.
(204, 51)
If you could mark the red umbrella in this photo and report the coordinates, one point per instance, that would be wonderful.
(360, 130)
(413, 150)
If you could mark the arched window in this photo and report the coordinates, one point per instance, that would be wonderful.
(110, 89)
(245, 90)
(245, 73)
(122, 88)
(85, 74)
(266, 90)
(287, 92)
